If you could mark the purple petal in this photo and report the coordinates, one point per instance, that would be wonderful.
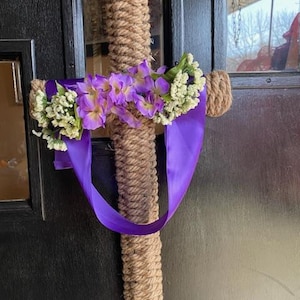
(118, 99)
(162, 85)
(144, 68)
(102, 83)
(145, 108)
(149, 84)
(92, 120)
(126, 116)
(126, 79)
(161, 70)
(149, 105)
(81, 88)
(84, 101)
(133, 70)
(137, 98)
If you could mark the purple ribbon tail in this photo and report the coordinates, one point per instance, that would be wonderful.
(62, 160)
(183, 139)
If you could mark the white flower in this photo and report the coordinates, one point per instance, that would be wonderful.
(184, 92)
(190, 58)
(40, 101)
(38, 134)
(59, 113)
(59, 145)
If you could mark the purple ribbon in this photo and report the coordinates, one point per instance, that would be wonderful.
(183, 140)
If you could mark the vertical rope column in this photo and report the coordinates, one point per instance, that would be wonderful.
(128, 30)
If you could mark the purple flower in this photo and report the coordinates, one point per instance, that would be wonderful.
(152, 102)
(121, 89)
(93, 113)
(149, 105)
(102, 84)
(140, 72)
(92, 105)
(159, 87)
(92, 87)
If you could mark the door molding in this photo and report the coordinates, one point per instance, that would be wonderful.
(23, 50)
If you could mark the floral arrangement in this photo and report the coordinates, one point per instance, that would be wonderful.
(161, 95)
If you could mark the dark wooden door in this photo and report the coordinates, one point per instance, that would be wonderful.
(236, 235)
(68, 255)
(51, 245)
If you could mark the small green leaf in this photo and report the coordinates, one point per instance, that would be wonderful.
(170, 75)
(60, 89)
(78, 121)
(167, 98)
(155, 76)
(80, 134)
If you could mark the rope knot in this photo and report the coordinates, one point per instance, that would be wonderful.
(219, 97)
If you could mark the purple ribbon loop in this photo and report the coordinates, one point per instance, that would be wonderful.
(183, 140)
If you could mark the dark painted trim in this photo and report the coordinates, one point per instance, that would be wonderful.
(167, 25)
(23, 50)
(177, 27)
(192, 30)
(219, 38)
(73, 33)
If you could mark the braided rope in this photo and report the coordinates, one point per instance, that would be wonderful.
(219, 97)
(128, 30)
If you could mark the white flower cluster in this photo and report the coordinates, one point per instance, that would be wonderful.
(56, 118)
(38, 109)
(184, 92)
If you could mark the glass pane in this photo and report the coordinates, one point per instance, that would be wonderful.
(13, 158)
(263, 35)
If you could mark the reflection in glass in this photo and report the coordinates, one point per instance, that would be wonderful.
(263, 35)
(13, 158)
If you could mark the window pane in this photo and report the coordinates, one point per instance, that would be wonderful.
(13, 158)
(263, 35)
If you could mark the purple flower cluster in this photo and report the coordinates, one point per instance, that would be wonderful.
(99, 96)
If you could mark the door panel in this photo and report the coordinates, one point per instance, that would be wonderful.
(13, 164)
(236, 236)
(69, 255)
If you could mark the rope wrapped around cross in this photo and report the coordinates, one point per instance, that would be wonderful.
(128, 30)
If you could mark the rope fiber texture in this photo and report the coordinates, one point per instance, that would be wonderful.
(219, 97)
(128, 30)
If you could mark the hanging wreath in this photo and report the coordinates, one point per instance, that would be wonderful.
(66, 110)
(158, 95)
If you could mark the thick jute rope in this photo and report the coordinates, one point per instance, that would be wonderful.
(128, 30)
(219, 97)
